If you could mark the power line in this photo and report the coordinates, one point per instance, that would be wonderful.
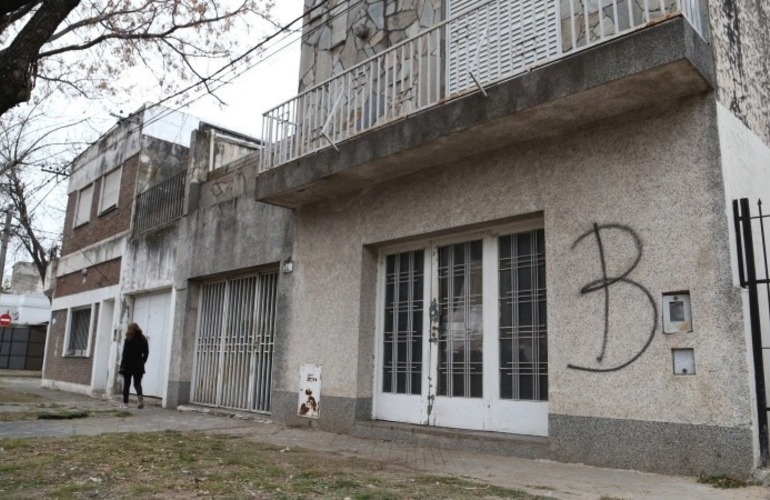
(232, 65)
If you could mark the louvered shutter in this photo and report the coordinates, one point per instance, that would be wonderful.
(83, 212)
(110, 190)
(499, 40)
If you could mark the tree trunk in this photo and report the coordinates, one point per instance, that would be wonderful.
(18, 62)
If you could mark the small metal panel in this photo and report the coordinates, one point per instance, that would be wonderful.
(309, 391)
(684, 361)
(677, 315)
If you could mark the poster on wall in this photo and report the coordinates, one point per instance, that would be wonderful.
(309, 391)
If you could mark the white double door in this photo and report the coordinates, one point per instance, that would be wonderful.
(462, 333)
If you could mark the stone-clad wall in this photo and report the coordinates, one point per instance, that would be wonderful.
(740, 35)
(629, 13)
(342, 33)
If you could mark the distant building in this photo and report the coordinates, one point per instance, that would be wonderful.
(26, 279)
(128, 198)
(22, 342)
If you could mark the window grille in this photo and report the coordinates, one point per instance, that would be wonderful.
(80, 323)
(403, 330)
(461, 329)
(234, 343)
(523, 342)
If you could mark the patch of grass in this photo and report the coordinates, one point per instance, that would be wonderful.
(723, 482)
(189, 465)
(62, 415)
(11, 396)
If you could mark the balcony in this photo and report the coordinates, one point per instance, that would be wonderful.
(463, 86)
(162, 203)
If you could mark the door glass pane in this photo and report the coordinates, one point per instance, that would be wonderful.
(403, 331)
(523, 340)
(460, 320)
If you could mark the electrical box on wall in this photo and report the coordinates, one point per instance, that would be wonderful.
(684, 361)
(677, 315)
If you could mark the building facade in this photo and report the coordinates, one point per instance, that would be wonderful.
(90, 303)
(516, 217)
(505, 225)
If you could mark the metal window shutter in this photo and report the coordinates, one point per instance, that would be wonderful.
(111, 190)
(499, 40)
(85, 197)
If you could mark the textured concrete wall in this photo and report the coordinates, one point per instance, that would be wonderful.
(659, 178)
(114, 148)
(25, 279)
(225, 233)
(740, 35)
(152, 258)
(159, 161)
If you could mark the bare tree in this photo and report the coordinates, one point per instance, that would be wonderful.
(35, 150)
(81, 46)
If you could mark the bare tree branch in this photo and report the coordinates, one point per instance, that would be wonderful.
(81, 46)
(18, 62)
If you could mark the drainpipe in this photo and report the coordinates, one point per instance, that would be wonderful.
(212, 140)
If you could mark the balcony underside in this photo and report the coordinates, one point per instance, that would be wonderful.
(648, 68)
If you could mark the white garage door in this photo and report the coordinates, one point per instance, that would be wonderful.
(152, 313)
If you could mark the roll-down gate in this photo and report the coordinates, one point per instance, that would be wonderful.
(234, 343)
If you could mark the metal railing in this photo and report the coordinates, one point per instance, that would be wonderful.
(487, 43)
(161, 203)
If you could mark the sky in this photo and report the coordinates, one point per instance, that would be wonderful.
(267, 84)
(262, 88)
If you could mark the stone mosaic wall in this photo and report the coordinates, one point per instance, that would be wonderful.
(342, 33)
(740, 34)
(590, 23)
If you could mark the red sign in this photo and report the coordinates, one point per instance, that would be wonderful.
(5, 319)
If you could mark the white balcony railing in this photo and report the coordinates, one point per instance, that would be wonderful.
(486, 43)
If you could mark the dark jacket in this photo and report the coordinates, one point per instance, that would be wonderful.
(135, 352)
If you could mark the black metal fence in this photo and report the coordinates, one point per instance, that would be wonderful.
(161, 203)
(754, 275)
(21, 348)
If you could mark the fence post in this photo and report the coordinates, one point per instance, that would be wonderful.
(743, 214)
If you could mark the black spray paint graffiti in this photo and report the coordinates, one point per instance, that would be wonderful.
(605, 282)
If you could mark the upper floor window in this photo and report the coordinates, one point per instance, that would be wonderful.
(110, 191)
(83, 209)
(79, 330)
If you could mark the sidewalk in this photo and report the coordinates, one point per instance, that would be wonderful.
(552, 479)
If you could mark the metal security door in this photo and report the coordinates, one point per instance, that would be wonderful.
(234, 343)
(754, 274)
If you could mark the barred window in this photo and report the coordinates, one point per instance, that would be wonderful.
(80, 327)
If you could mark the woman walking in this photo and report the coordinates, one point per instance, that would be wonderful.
(135, 352)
